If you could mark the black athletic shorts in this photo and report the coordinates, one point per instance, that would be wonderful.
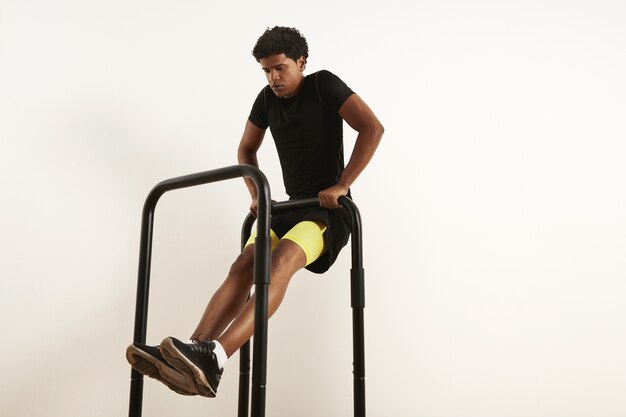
(336, 235)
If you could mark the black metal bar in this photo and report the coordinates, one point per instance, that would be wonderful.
(357, 285)
(147, 224)
(261, 279)
(289, 205)
(141, 305)
(244, 351)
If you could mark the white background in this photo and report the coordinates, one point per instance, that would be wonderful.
(493, 212)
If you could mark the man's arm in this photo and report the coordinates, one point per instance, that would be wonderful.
(361, 118)
(246, 154)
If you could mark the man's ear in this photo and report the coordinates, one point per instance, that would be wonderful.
(302, 63)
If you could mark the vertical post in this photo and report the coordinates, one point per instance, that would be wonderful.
(244, 351)
(141, 305)
(262, 252)
(357, 285)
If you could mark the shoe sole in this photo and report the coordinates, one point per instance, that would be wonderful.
(182, 364)
(148, 365)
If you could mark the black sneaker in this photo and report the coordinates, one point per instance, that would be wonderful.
(149, 361)
(195, 358)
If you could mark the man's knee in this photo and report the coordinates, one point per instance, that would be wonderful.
(288, 257)
(244, 263)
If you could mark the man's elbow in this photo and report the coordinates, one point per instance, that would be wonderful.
(245, 155)
(380, 130)
(241, 154)
(376, 130)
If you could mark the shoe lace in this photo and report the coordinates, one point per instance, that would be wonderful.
(202, 347)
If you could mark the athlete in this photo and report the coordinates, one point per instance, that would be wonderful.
(305, 115)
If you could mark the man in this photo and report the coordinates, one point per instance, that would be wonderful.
(305, 115)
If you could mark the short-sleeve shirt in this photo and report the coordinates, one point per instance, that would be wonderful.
(308, 133)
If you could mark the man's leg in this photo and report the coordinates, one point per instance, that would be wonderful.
(299, 247)
(229, 299)
(226, 303)
(287, 259)
(199, 359)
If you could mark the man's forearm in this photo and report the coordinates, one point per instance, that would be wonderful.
(366, 144)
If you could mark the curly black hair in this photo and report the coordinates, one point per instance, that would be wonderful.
(281, 40)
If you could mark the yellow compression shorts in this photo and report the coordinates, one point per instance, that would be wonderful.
(306, 234)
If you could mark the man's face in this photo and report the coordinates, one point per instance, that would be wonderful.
(284, 75)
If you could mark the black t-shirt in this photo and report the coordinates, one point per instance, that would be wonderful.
(307, 131)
